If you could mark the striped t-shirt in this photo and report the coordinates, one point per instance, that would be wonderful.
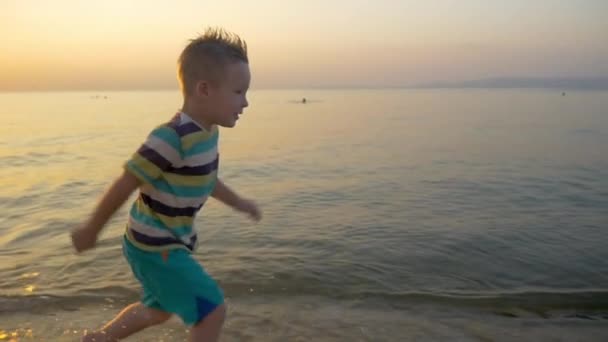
(178, 168)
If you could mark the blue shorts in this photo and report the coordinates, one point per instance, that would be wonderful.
(174, 282)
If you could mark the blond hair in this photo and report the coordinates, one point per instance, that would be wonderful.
(205, 57)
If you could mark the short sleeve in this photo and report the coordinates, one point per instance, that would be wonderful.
(160, 152)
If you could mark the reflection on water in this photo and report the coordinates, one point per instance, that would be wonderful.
(446, 198)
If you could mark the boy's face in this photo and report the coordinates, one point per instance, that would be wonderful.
(228, 98)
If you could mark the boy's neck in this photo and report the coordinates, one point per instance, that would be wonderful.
(197, 114)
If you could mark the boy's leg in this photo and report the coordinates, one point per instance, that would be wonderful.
(130, 320)
(208, 330)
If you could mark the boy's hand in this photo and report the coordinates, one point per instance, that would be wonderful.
(249, 207)
(83, 238)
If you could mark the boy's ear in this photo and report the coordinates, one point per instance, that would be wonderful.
(202, 88)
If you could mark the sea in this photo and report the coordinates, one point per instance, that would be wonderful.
(388, 214)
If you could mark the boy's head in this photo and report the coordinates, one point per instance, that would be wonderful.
(213, 72)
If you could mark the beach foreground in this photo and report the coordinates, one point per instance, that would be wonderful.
(312, 318)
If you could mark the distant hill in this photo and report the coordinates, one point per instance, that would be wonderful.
(600, 83)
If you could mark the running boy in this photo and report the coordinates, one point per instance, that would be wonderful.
(175, 171)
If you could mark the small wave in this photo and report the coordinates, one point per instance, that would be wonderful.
(38, 159)
(527, 300)
(506, 303)
(533, 301)
(584, 304)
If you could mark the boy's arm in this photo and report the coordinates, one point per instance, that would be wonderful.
(85, 236)
(224, 194)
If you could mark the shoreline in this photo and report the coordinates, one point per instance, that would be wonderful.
(262, 318)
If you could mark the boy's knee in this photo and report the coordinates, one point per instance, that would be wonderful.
(209, 328)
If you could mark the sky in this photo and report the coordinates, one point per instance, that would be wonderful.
(122, 44)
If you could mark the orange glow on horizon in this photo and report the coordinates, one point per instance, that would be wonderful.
(70, 44)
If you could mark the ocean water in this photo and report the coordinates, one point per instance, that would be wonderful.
(389, 215)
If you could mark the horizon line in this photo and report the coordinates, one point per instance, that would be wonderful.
(563, 83)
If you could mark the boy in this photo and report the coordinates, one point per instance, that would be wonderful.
(176, 171)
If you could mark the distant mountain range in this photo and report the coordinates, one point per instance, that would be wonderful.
(599, 83)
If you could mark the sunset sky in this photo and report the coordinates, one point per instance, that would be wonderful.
(114, 44)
